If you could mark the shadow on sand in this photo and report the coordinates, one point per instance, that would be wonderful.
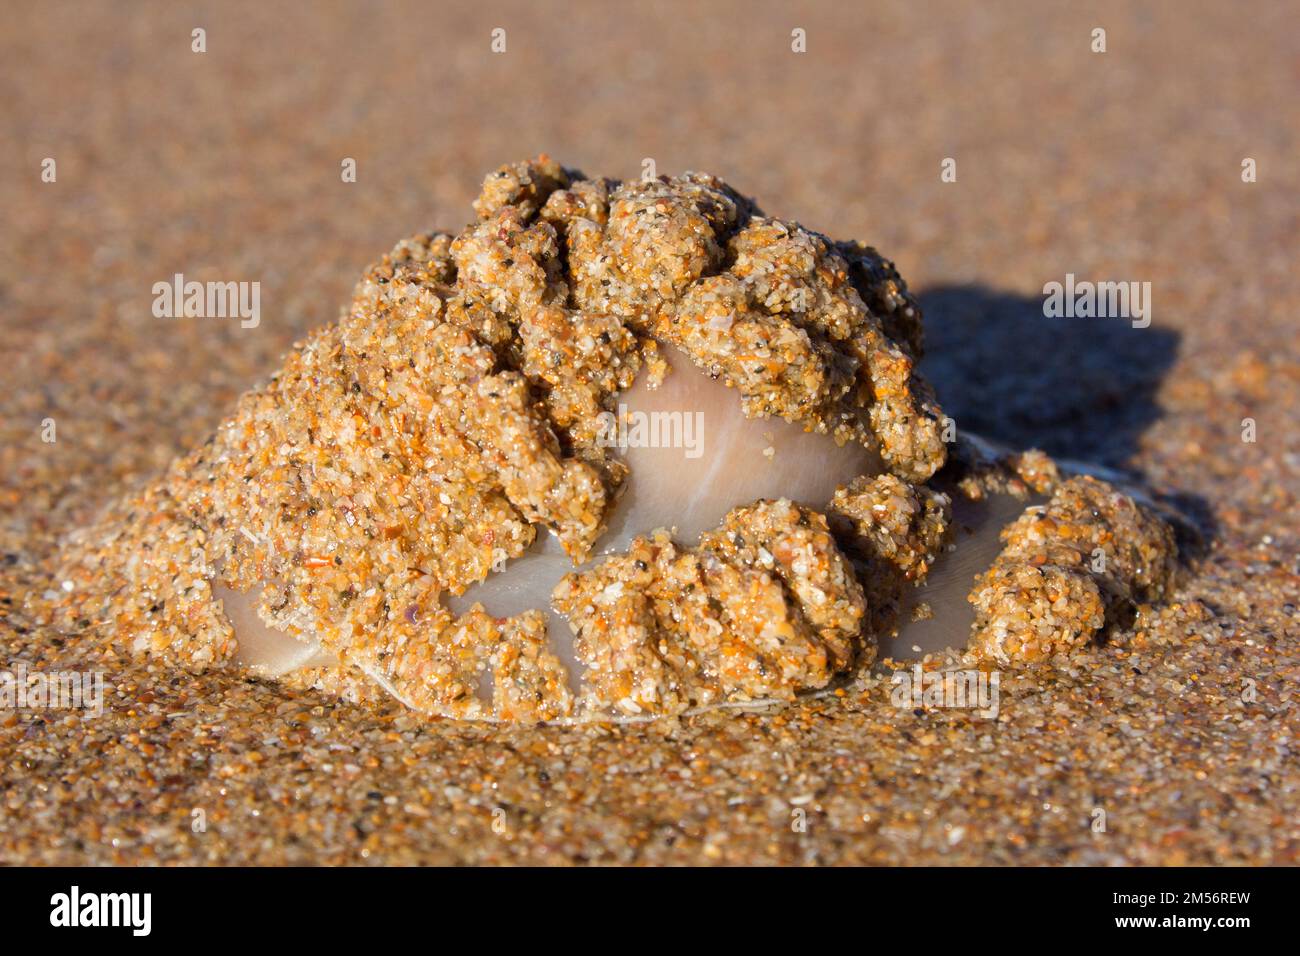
(1075, 387)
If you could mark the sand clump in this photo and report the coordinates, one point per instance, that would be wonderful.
(450, 420)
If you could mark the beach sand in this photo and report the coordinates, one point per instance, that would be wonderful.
(1173, 746)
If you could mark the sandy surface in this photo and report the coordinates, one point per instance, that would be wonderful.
(225, 165)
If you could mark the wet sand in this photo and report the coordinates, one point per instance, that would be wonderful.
(1117, 166)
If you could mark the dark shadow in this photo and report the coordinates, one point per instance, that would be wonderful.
(1076, 388)
(1080, 388)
